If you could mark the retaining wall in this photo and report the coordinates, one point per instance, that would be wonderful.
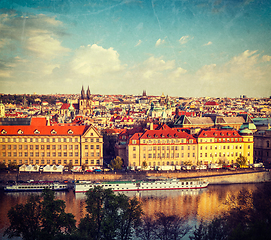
(214, 177)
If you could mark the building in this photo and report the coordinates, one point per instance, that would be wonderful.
(262, 147)
(173, 146)
(40, 143)
(225, 146)
(161, 147)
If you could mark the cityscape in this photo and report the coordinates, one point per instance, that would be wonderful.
(135, 119)
(150, 131)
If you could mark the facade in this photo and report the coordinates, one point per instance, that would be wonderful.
(262, 147)
(168, 146)
(40, 144)
(225, 146)
(161, 147)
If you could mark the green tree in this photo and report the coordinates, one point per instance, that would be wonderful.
(40, 219)
(116, 163)
(70, 166)
(109, 216)
(241, 161)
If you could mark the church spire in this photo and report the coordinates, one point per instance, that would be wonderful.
(83, 95)
(88, 94)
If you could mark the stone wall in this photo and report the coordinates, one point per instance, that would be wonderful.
(214, 177)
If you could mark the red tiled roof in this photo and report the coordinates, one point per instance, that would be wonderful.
(215, 133)
(42, 130)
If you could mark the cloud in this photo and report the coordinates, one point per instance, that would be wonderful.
(266, 58)
(159, 42)
(44, 46)
(95, 61)
(139, 42)
(207, 44)
(185, 39)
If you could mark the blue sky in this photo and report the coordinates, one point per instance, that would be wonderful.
(188, 48)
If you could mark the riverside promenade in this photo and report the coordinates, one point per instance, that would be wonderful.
(212, 176)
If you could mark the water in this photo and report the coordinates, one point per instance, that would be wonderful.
(194, 205)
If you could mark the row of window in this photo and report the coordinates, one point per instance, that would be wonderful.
(232, 154)
(167, 155)
(37, 147)
(42, 154)
(164, 141)
(223, 147)
(223, 140)
(150, 148)
(27, 139)
(48, 161)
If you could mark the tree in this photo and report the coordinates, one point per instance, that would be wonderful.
(163, 227)
(241, 161)
(38, 219)
(116, 163)
(70, 166)
(144, 164)
(109, 216)
(248, 217)
(3, 166)
(13, 166)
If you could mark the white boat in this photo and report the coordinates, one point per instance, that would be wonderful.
(36, 186)
(152, 183)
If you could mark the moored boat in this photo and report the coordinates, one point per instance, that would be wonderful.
(151, 183)
(36, 186)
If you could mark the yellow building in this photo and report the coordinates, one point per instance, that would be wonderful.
(168, 146)
(161, 147)
(225, 145)
(40, 144)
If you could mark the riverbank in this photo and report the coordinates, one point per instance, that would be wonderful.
(212, 176)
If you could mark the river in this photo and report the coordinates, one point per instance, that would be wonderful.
(194, 205)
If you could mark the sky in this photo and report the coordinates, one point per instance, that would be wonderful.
(182, 48)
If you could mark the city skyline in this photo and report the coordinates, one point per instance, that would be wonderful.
(182, 48)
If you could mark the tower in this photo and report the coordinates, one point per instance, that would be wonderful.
(85, 102)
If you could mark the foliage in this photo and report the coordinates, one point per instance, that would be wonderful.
(40, 219)
(109, 216)
(116, 163)
(13, 166)
(70, 166)
(84, 167)
(241, 161)
(163, 227)
(248, 217)
(2, 166)
(144, 164)
(187, 163)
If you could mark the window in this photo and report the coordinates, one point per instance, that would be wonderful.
(25, 154)
(65, 147)
(65, 154)
(3, 147)
(70, 147)
(76, 147)
(134, 148)
(150, 155)
(59, 147)
(134, 155)
(97, 146)
(54, 154)
(36, 154)
(86, 154)
(59, 161)
(76, 154)
(92, 154)
(70, 154)
(20, 146)
(97, 154)
(48, 154)
(86, 146)
(48, 147)
(31, 147)
(42, 147)
(31, 154)
(97, 140)
(54, 147)
(188, 154)
(14, 154)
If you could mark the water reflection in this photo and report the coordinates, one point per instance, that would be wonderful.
(193, 204)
